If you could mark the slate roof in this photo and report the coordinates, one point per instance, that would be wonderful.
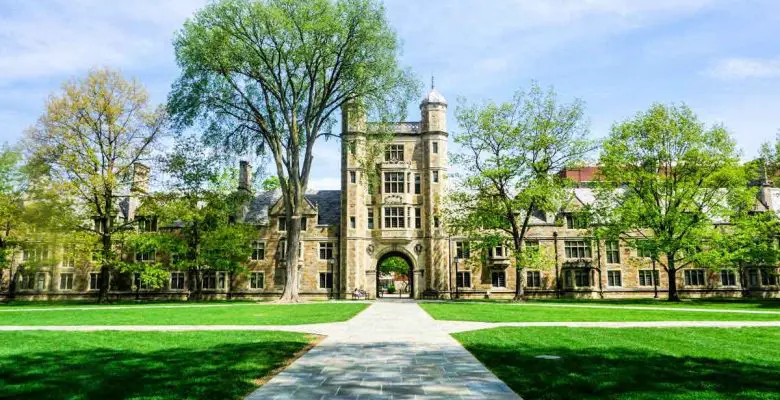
(328, 203)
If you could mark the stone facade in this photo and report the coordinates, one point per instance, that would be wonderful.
(349, 232)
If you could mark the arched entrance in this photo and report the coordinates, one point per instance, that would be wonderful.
(395, 275)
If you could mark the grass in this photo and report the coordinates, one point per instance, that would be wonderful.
(149, 365)
(550, 312)
(211, 314)
(719, 303)
(653, 363)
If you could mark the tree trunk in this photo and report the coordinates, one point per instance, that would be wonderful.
(671, 271)
(104, 268)
(14, 279)
(519, 287)
(290, 293)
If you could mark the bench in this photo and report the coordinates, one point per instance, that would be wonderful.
(358, 294)
(430, 294)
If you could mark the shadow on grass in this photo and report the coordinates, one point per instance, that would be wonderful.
(626, 374)
(227, 371)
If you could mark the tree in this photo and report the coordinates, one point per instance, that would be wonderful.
(91, 138)
(269, 76)
(197, 207)
(665, 181)
(511, 153)
(394, 264)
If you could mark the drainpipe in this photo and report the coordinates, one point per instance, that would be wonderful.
(449, 269)
(557, 277)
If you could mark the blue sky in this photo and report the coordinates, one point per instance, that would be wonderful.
(721, 57)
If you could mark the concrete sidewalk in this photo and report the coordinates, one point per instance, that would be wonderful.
(392, 350)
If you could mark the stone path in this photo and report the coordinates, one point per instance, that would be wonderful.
(392, 350)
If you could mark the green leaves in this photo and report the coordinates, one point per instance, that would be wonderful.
(668, 180)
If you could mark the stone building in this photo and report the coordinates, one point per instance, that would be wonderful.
(347, 233)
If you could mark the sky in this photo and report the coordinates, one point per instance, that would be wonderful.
(720, 57)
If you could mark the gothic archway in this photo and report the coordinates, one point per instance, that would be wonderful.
(381, 287)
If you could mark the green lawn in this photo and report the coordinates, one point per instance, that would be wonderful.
(149, 365)
(209, 314)
(550, 312)
(632, 363)
(722, 303)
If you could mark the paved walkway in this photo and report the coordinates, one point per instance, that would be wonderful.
(392, 350)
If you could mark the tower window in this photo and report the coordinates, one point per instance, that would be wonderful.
(370, 218)
(352, 177)
(394, 217)
(394, 182)
(435, 147)
(352, 222)
(394, 152)
(417, 184)
(435, 176)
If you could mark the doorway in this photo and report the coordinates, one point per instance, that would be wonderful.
(395, 276)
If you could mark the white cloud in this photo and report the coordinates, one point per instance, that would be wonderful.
(62, 37)
(745, 68)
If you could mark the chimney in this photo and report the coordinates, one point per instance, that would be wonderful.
(244, 175)
(140, 178)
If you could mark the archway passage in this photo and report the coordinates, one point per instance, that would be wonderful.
(395, 276)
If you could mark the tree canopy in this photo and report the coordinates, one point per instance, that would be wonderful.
(269, 76)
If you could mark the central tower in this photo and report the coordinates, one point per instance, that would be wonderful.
(399, 214)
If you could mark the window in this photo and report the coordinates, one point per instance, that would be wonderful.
(648, 277)
(435, 148)
(352, 222)
(40, 254)
(258, 250)
(282, 249)
(326, 280)
(394, 217)
(40, 281)
(408, 182)
(138, 283)
(418, 218)
(435, 221)
(532, 246)
(575, 221)
(498, 251)
(282, 226)
(642, 249)
(577, 249)
(462, 250)
(209, 280)
(613, 252)
(147, 224)
(352, 177)
(728, 278)
(533, 279)
(463, 279)
(66, 281)
(498, 279)
(394, 152)
(326, 250)
(177, 280)
(257, 280)
(694, 277)
(394, 182)
(614, 279)
(753, 277)
(370, 218)
(417, 187)
(69, 257)
(304, 222)
(28, 281)
(94, 280)
(435, 176)
(768, 277)
(144, 256)
(581, 277)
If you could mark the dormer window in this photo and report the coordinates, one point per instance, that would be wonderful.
(147, 224)
(394, 152)
(576, 221)
(282, 226)
(303, 223)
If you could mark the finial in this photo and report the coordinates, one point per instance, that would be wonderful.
(433, 85)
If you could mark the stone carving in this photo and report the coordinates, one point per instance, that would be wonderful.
(370, 249)
(418, 248)
(393, 199)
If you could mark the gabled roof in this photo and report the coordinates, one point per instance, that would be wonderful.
(327, 203)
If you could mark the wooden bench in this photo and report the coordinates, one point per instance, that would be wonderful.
(430, 294)
(358, 294)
